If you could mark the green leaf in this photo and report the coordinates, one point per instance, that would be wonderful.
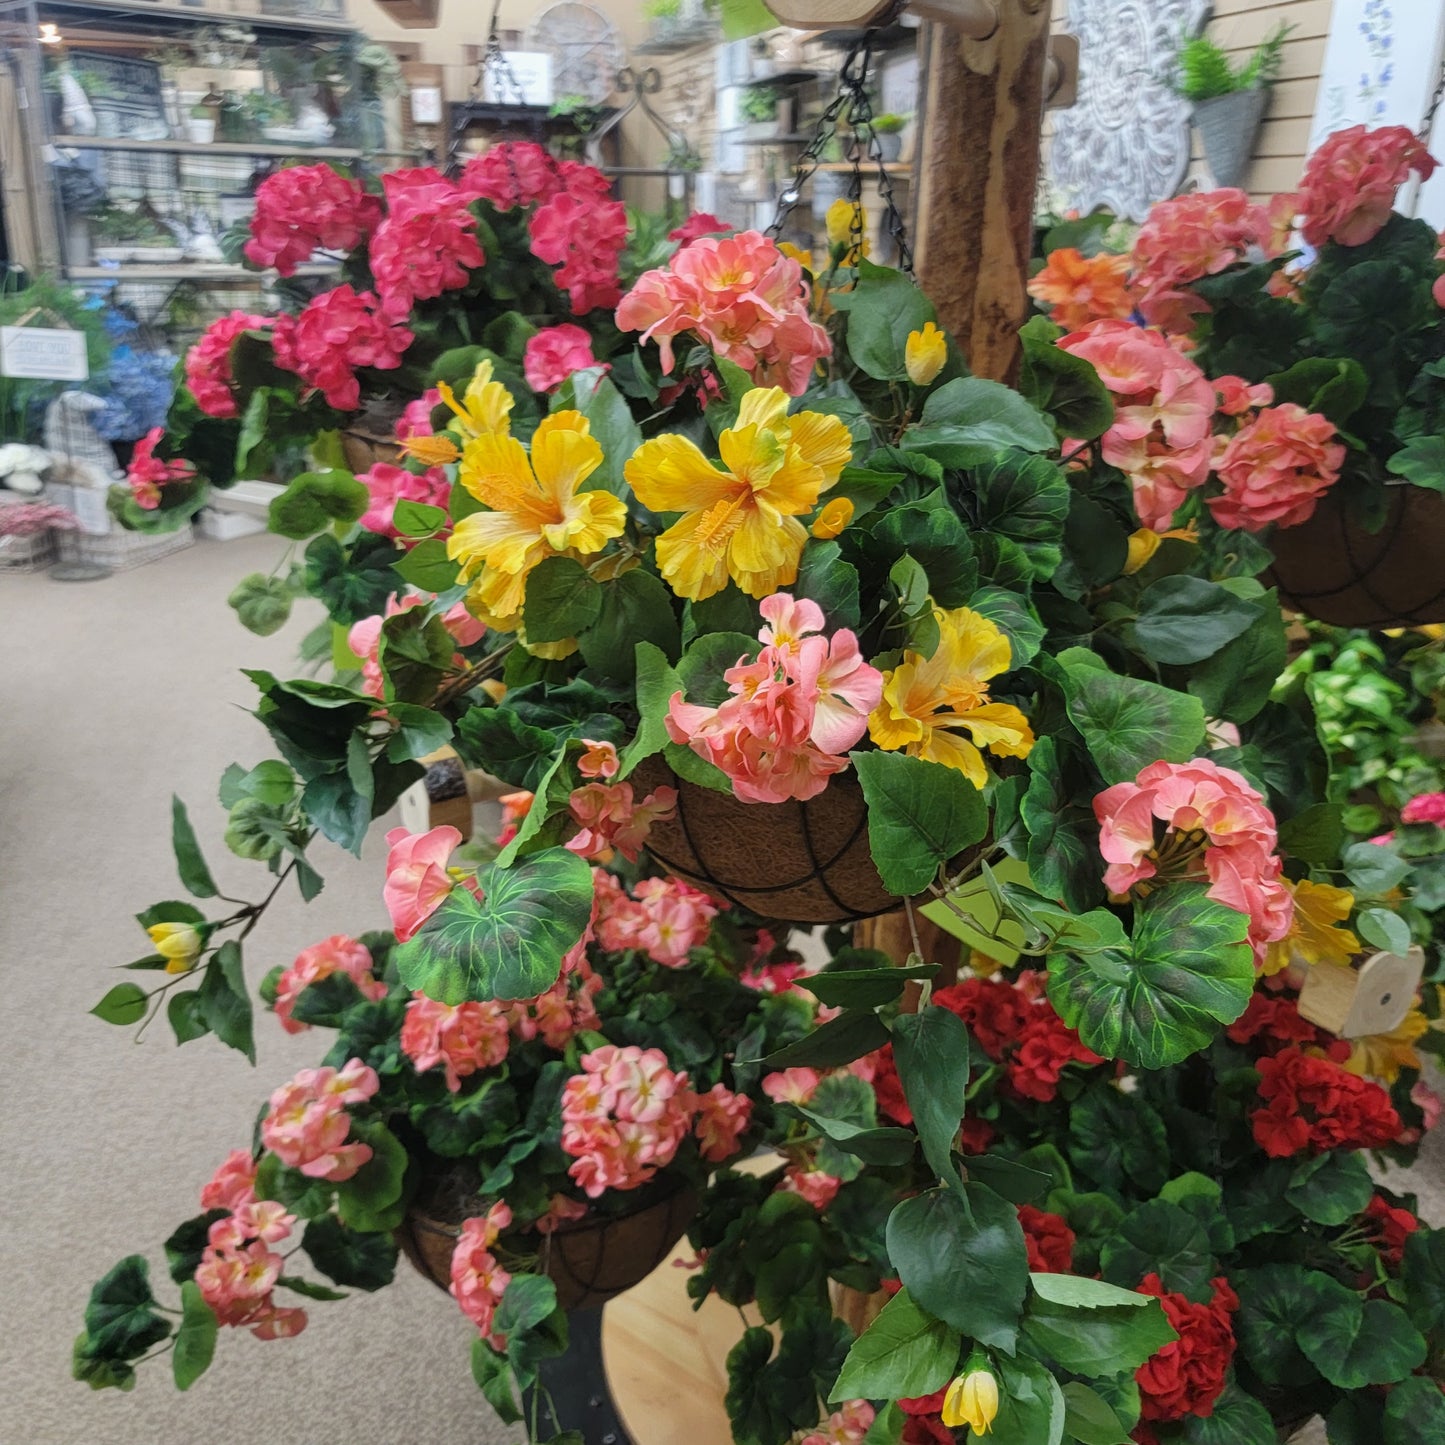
(370, 1201)
(427, 566)
(190, 864)
(1330, 1188)
(1415, 1413)
(308, 1289)
(1018, 1182)
(1275, 1301)
(1164, 1239)
(1031, 1406)
(968, 420)
(1422, 461)
(962, 1257)
(1011, 613)
(1127, 723)
(637, 607)
(871, 1145)
(184, 1014)
(528, 1300)
(1315, 835)
(1354, 1345)
(494, 1378)
(223, 1002)
(417, 519)
(1236, 1419)
(931, 532)
(883, 307)
(1113, 1135)
(510, 945)
(702, 667)
(852, 1034)
(902, 1354)
(862, 987)
(1091, 1328)
(120, 1320)
(1424, 1275)
(358, 1261)
(1089, 1418)
(931, 1049)
(355, 581)
(1063, 384)
(124, 1004)
(314, 500)
(1236, 682)
(195, 1338)
(920, 815)
(1335, 386)
(1185, 619)
(562, 601)
(261, 603)
(1026, 499)
(1373, 869)
(825, 578)
(1384, 929)
(611, 423)
(1189, 972)
(1063, 835)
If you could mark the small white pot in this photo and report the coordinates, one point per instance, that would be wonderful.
(200, 132)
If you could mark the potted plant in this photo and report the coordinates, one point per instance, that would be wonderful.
(1229, 100)
(758, 109)
(1348, 529)
(889, 130)
(201, 125)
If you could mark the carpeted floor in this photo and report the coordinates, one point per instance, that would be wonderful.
(112, 695)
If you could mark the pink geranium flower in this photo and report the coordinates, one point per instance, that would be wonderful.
(426, 244)
(554, 353)
(818, 1188)
(1349, 185)
(337, 954)
(1275, 469)
(336, 333)
(478, 1281)
(301, 209)
(464, 1037)
(1425, 808)
(515, 173)
(607, 817)
(307, 1124)
(233, 1184)
(722, 1117)
(390, 484)
(208, 362)
(147, 473)
(417, 881)
(791, 1086)
(698, 225)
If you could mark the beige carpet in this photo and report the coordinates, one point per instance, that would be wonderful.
(113, 694)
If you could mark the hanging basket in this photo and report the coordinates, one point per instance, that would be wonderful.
(590, 1260)
(1333, 570)
(1227, 126)
(795, 862)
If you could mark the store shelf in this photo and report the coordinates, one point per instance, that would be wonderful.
(797, 139)
(188, 271)
(869, 168)
(173, 14)
(212, 148)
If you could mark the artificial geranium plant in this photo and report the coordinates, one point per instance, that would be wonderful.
(779, 578)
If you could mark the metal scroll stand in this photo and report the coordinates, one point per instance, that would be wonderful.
(682, 161)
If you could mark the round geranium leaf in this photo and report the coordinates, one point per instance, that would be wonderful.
(1188, 973)
(510, 942)
(1354, 1345)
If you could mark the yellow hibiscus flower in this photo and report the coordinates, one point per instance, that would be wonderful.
(484, 410)
(930, 702)
(1316, 935)
(740, 519)
(1382, 1056)
(536, 510)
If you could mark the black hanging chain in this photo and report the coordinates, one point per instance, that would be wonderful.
(851, 104)
(494, 60)
(1428, 125)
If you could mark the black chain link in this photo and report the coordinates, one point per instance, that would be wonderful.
(853, 105)
(1429, 123)
(494, 59)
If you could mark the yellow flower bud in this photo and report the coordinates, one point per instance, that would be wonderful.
(832, 519)
(178, 943)
(839, 220)
(1143, 544)
(924, 354)
(802, 257)
(972, 1400)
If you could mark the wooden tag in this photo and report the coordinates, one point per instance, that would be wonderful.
(1371, 999)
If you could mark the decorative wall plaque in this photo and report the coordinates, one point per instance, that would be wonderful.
(1125, 144)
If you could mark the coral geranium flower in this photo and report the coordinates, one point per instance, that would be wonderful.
(536, 510)
(1079, 289)
(740, 519)
(930, 702)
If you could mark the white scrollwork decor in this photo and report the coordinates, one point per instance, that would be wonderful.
(1125, 144)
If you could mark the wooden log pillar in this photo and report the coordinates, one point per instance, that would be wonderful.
(977, 179)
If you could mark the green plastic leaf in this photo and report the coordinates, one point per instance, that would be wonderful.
(1421, 461)
(510, 945)
(120, 1320)
(494, 1378)
(358, 1261)
(187, 1021)
(1330, 1188)
(190, 863)
(223, 1002)
(883, 307)
(871, 1145)
(417, 519)
(314, 500)
(1424, 1276)
(427, 566)
(1089, 1418)
(852, 1034)
(1237, 1419)
(1415, 1413)
(1091, 1328)
(963, 1259)
(1189, 973)
(261, 603)
(195, 1338)
(967, 421)
(124, 1004)
(1031, 1406)
(902, 1354)
(1384, 929)
(1334, 386)
(1128, 724)
(931, 1049)
(1354, 1345)
(1161, 1238)
(1026, 499)
(920, 815)
(1063, 384)
(637, 607)
(563, 600)
(1185, 619)
(863, 987)
(1373, 869)
(371, 1200)
(355, 581)
(1275, 1301)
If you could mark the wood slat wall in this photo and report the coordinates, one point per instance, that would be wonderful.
(1239, 26)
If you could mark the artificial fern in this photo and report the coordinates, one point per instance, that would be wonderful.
(1204, 69)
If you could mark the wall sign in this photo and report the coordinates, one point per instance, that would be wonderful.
(42, 353)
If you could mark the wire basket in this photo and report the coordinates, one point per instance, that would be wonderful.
(30, 553)
(120, 550)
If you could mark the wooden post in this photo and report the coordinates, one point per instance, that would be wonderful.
(977, 180)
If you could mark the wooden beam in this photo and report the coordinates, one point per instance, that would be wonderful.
(983, 110)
